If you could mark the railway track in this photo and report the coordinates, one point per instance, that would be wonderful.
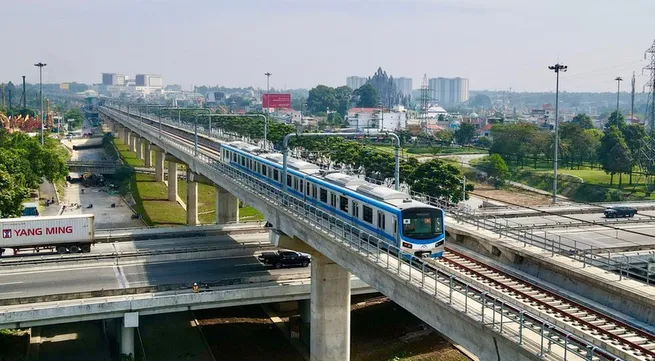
(605, 330)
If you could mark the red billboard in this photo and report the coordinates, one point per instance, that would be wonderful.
(276, 101)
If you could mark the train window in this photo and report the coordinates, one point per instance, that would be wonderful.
(302, 183)
(295, 184)
(355, 209)
(395, 226)
(264, 169)
(368, 214)
(343, 203)
(243, 161)
(275, 174)
(314, 191)
(323, 195)
(288, 180)
(309, 189)
(333, 199)
(381, 220)
(234, 157)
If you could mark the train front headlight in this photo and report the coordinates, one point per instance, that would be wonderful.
(407, 245)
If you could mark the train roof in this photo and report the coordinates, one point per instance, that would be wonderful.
(247, 147)
(293, 163)
(344, 180)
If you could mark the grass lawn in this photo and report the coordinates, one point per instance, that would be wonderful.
(152, 202)
(207, 204)
(126, 155)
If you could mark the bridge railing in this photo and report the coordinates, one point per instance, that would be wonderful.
(558, 244)
(525, 328)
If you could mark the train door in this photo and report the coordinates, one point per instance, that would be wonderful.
(381, 226)
(394, 229)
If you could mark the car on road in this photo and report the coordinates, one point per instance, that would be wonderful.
(281, 259)
(620, 211)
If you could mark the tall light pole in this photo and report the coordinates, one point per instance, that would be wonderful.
(268, 101)
(557, 68)
(618, 92)
(41, 65)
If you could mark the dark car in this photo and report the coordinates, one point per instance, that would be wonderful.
(281, 259)
(620, 211)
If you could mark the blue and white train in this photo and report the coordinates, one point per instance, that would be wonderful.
(390, 215)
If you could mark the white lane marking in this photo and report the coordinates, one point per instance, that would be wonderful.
(11, 293)
(11, 283)
(120, 277)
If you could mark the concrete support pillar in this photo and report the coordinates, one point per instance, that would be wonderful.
(147, 153)
(139, 148)
(227, 206)
(126, 136)
(172, 181)
(305, 308)
(127, 341)
(191, 200)
(159, 165)
(330, 311)
(130, 322)
(133, 139)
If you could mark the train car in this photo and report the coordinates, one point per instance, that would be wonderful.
(392, 216)
(63, 234)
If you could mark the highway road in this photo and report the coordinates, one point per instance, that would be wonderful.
(81, 279)
(159, 244)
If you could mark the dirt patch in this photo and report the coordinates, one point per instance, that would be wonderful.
(382, 330)
(511, 195)
(244, 333)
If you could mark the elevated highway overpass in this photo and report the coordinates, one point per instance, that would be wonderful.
(409, 284)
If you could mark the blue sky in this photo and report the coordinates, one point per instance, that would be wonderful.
(497, 44)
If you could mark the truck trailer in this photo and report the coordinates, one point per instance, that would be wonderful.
(62, 234)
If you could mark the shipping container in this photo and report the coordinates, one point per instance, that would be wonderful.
(62, 233)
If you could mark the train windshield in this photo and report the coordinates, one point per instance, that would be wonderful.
(422, 223)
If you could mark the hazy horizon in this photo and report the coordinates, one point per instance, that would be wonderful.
(308, 42)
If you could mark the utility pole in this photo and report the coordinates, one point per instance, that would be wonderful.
(41, 65)
(557, 68)
(24, 94)
(618, 92)
(268, 101)
(632, 98)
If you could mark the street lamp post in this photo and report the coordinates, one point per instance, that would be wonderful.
(41, 65)
(268, 101)
(618, 92)
(557, 68)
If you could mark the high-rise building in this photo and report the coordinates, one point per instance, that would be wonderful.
(403, 86)
(149, 80)
(113, 79)
(449, 91)
(355, 82)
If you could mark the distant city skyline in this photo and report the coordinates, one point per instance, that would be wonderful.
(497, 45)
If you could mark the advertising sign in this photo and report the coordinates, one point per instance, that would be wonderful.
(276, 101)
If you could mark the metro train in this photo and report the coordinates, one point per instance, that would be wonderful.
(389, 215)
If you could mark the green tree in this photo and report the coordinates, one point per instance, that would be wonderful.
(496, 168)
(12, 193)
(367, 96)
(465, 134)
(515, 141)
(615, 119)
(614, 154)
(583, 121)
(321, 98)
(635, 135)
(343, 95)
(438, 179)
(77, 115)
(481, 101)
